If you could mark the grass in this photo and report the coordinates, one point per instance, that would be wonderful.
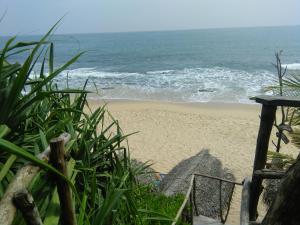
(153, 202)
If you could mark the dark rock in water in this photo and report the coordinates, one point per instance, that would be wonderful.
(207, 193)
(208, 90)
(107, 88)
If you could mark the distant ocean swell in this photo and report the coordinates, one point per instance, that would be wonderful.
(216, 84)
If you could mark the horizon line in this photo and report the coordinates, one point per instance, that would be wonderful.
(165, 30)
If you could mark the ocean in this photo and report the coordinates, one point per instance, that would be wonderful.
(211, 65)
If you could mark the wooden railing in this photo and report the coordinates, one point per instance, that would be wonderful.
(267, 118)
(16, 192)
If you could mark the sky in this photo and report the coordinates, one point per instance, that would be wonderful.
(27, 17)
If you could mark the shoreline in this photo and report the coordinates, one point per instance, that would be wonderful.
(247, 101)
(207, 103)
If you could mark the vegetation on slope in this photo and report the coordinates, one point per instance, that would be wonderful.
(286, 125)
(33, 110)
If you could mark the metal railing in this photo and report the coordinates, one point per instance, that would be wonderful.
(186, 212)
(189, 207)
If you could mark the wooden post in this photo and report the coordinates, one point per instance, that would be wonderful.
(244, 213)
(266, 123)
(20, 181)
(57, 158)
(25, 203)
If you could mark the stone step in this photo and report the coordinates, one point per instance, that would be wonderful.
(203, 220)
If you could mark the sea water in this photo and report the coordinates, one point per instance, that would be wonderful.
(223, 65)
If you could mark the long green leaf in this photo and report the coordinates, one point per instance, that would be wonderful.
(51, 58)
(16, 150)
(6, 167)
(4, 130)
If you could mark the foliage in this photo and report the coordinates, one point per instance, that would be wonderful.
(290, 86)
(33, 110)
(287, 86)
(153, 202)
(284, 160)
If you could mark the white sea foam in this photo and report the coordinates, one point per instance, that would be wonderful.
(187, 85)
(291, 66)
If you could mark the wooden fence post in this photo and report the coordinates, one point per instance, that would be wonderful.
(25, 203)
(20, 181)
(57, 158)
(265, 128)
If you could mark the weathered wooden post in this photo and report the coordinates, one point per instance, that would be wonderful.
(20, 181)
(244, 212)
(25, 203)
(269, 105)
(57, 158)
(266, 123)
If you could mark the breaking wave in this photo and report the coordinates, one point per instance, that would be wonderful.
(186, 85)
(291, 66)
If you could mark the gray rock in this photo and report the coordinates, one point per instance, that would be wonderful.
(207, 193)
(270, 191)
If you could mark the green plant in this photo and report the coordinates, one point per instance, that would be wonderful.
(288, 85)
(285, 160)
(284, 126)
(153, 202)
(18, 108)
(33, 110)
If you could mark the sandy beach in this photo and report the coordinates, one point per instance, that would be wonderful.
(172, 132)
